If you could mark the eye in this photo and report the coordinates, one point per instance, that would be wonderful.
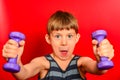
(57, 36)
(70, 36)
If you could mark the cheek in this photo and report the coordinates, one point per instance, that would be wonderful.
(72, 45)
(54, 46)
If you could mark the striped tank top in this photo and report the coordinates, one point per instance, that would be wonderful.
(56, 73)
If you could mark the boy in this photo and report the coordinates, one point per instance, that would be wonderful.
(61, 64)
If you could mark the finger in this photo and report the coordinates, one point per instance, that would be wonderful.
(107, 53)
(12, 42)
(104, 42)
(9, 49)
(7, 55)
(9, 46)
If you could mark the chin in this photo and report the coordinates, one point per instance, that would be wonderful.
(64, 58)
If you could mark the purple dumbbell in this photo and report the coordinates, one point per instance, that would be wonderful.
(11, 65)
(104, 63)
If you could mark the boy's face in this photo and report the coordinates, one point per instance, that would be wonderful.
(63, 42)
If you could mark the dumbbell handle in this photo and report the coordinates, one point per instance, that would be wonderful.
(11, 65)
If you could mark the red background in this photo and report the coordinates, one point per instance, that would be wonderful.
(30, 17)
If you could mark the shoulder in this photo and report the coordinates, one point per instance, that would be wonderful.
(83, 60)
(40, 61)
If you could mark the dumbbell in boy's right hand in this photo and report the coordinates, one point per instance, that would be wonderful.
(11, 49)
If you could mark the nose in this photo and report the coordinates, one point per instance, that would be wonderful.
(64, 41)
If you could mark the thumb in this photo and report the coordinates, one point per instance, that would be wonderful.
(95, 50)
(20, 49)
(94, 42)
(21, 43)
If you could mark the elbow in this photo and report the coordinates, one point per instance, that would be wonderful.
(17, 76)
(101, 72)
(20, 78)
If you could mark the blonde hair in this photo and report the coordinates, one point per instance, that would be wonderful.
(62, 20)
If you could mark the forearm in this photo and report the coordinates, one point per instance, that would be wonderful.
(28, 70)
(90, 66)
(96, 69)
(22, 74)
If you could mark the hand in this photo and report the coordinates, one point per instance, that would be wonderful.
(105, 49)
(12, 49)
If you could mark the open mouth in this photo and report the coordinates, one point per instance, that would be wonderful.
(64, 52)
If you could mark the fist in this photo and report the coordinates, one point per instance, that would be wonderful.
(105, 48)
(13, 49)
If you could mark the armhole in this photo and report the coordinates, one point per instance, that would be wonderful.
(78, 57)
(47, 58)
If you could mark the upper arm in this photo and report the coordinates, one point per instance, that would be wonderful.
(35, 66)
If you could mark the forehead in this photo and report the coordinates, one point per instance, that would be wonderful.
(64, 31)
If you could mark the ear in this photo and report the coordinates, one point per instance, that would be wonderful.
(77, 37)
(47, 38)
